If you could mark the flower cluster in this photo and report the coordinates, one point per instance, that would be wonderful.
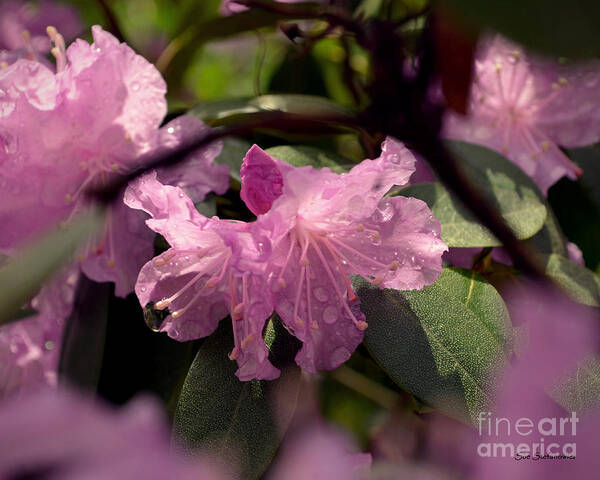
(525, 106)
(95, 116)
(314, 229)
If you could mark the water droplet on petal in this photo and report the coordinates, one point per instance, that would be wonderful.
(321, 294)
(339, 356)
(330, 315)
(135, 86)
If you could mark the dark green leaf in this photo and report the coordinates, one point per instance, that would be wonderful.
(300, 156)
(137, 359)
(22, 276)
(441, 343)
(225, 112)
(577, 205)
(233, 418)
(507, 188)
(581, 284)
(85, 331)
(232, 155)
(550, 239)
(552, 26)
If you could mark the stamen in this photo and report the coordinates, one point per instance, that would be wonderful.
(59, 50)
(238, 309)
(314, 325)
(498, 68)
(355, 252)
(349, 289)
(27, 44)
(245, 300)
(299, 292)
(165, 302)
(234, 353)
(287, 259)
(332, 279)
(249, 339)
(214, 281)
(308, 292)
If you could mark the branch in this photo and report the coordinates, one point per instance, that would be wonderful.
(252, 122)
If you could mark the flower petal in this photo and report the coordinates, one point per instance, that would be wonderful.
(180, 278)
(262, 180)
(311, 297)
(398, 247)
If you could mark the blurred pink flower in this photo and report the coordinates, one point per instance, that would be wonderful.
(214, 268)
(557, 335)
(30, 348)
(326, 227)
(92, 119)
(17, 17)
(320, 453)
(61, 434)
(525, 106)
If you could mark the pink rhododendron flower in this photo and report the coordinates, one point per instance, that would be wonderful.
(213, 268)
(325, 227)
(30, 348)
(17, 17)
(525, 106)
(66, 131)
(61, 434)
(320, 453)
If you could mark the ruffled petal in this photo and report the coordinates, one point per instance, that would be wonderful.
(398, 247)
(110, 78)
(173, 213)
(197, 175)
(30, 348)
(187, 283)
(262, 180)
(124, 248)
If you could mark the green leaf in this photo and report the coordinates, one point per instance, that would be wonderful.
(177, 55)
(581, 284)
(299, 156)
(442, 343)
(577, 204)
(85, 330)
(232, 155)
(227, 112)
(137, 358)
(580, 390)
(22, 276)
(506, 187)
(234, 419)
(552, 26)
(550, 239)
